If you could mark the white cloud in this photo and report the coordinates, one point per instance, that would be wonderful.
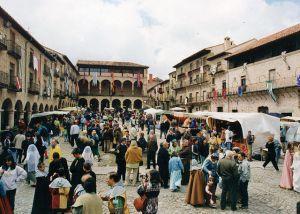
(152, 32)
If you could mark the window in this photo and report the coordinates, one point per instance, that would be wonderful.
(224, 84)
(197, 63)
(12, 72)
(191, 79)
(243, 80)
(181, 70)
(212, 80)
(191, 66)
(219, 109)
(190, 96)
(180, 99)
(204, 95)
(272, 75)
(31, 58)
(197, 96)
(197, 78)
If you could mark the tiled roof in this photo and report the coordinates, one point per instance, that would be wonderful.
(268, 39)
(111, 64)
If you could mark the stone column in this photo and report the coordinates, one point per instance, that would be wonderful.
(89, 88)
(21, 114)
(132, 88)
(29, 113)
(11, 118)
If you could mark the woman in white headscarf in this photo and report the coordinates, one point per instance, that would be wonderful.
(87, 154)
(32, 160)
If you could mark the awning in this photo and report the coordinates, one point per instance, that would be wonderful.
(49, 113)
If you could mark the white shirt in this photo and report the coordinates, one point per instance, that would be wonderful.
(228, 135)
(18, 140)
(10, 177)
(74, 129)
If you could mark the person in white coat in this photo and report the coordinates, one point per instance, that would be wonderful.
(296, 170)
(88, 156)
(10, 174)
(32, 160)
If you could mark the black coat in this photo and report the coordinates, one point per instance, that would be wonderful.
(41, 200)
(76, 169)
(120, 153)
(271, 149)
(163, 158)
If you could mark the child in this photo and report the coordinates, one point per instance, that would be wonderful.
(210, 191)
(41, 201)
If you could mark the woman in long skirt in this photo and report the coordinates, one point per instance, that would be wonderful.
(286, 180)
(175, 168)
(296, 170)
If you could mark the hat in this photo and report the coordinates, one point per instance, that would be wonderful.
(195, 165)
(76, 151)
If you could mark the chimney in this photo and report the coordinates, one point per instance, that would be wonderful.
(227, 43)
(150, 77)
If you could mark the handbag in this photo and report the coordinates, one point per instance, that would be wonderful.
(139, 203)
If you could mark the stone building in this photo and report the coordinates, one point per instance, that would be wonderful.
(28, 72)
(160, 95)
(264, 76)
(112, 84)
(193, 81)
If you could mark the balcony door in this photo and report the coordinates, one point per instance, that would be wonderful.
(12, 73)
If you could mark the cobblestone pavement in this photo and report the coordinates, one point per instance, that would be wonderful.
(265, 196)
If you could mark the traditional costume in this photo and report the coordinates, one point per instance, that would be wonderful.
(286, 180)
(175, 168)
(32, 160)
(296, 171)
(41, 200)
(87, 154)
(195, 190)
(59, 189)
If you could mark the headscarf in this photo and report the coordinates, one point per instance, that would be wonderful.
(59, 183)
(87, 154)
(32, 158)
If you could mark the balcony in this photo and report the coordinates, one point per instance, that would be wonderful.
(62, 95)
(3, 79)
(13, 86)
(34, 88)
(45, 93)
(62, 77)
(55, 73)
(3, 44)
(56, 92)
(46, 70)
(14, 50)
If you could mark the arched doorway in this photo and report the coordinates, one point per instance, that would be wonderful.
(83, 87)
(94, 88)
(46, 107)
(82, 102)
(118, 87)
(127, 103)
(105, 88)
(7, 115)
(138, 88)
(62, 104)
(55, 108)
(34, 108)
(41, 108)
(116, 104)
(263, 109)
(94, 104)
(138, 104)
(127, 87)
(51, 108)
(104, 104)
(18, 111)
(27, 112)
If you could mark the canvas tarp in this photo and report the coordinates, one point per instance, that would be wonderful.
(153, 111)
(48, 113)
(256, 122)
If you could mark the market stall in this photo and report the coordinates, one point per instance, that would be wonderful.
(39, 117)
(261, 125)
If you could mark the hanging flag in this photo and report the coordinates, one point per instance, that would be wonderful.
(224, 93)
(298, 80)
(270, 90)
(112, 84)
(18, 83)
(139, 80)
(240, 91)
(215, 95)
(94, 81)
(77, 88)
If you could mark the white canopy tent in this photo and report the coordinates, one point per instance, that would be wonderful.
(258, 123)
(48, 113)
(153, 111)
(177, 109)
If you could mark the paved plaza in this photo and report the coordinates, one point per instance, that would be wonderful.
(265, 196)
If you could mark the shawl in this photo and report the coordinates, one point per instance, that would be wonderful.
(59, 183)
(32, 158)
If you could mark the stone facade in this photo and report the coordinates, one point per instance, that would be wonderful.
(160, 95)
(105, 84)
(27, 81)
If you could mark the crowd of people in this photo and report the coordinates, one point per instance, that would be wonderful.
(190, 154)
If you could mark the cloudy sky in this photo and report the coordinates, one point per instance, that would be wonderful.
(157, 33)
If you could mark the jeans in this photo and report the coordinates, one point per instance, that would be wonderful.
(11, 194)
(228, 185)
(244, 192)
(74, 137)
(151, 157)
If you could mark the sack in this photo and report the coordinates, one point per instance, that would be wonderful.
(141, 163)
(139, 203)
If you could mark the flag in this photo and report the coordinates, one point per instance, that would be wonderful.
(270, 90)
(138, 80)
(240, 91)
(18, 83)
(224, 93)
(298, 80)
(215, 95)
(112, 84)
